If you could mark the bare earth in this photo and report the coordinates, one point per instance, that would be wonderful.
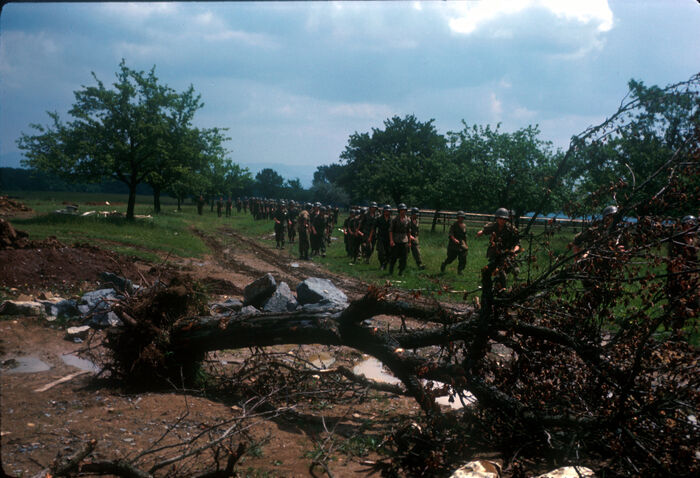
(37, 426)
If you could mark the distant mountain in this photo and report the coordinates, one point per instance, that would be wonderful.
(305, 173)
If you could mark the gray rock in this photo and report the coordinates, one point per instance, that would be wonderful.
(228, 305)
(249, 310)
(323, 306)
(22, 307)
(258, 291)
(103, 319)
(282, 300)
(315, 290)
(77, 332)
(100, 298)
(120, 284)
(58, 307)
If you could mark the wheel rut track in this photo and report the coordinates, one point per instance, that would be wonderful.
(278, 260)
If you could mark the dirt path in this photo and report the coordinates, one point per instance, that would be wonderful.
(38, 426)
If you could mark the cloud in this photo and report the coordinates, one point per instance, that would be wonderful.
(469, 17)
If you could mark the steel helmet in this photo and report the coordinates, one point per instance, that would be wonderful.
(402, 206)
(373, 204)
(502, 213)
(689, 219)
(387, 207)
(460, 213)
(609, 210)
(415, 210)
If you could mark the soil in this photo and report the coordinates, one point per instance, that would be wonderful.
(37, 427)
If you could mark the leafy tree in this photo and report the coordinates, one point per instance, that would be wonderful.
(123, 132)
(269, 183)
(374, 160)
(237, 179)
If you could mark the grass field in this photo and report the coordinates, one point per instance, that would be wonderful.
(170, 233)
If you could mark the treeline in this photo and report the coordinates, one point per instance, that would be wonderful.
(20, 179)
(139, 132)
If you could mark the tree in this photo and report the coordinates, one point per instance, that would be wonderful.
(124, 132)
(371, 160)
(269, 183)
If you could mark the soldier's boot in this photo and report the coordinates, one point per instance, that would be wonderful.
(442, 267)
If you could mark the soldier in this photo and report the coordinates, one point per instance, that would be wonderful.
(281, 221)
(347, 232)
(367, 229)
(381, 232)
(239, 205)
(304, 227)
(200, 204)
(415, 230)
(504, 243)
(292, 214)
(318, 226)
(399, 239)
(457, 247)
(229, 203)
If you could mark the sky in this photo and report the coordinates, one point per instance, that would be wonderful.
(293, 80)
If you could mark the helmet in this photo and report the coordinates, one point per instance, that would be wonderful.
(373, 204)
(323, 208)
(387, 207)
(318, 204)
(502, 213)
(461, 214)
(609, 210)
(401, 206)
(415, 210)
(364, 208)
(689, 219)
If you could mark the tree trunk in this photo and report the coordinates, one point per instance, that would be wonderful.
(132, 201)
(179, 203)
(156, 199)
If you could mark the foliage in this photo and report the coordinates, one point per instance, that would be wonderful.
(268, 183)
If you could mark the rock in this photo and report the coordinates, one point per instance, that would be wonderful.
(569, 472)
(249, 310)
(77, 332)
(19, 307)
(104, 319)
(120, 284)
(314, 290)
(232, 305)
(58, 307)
(282, 300)
(258, 291)
(478, 469)
(96, 308)
(99, 298)
(323, 306)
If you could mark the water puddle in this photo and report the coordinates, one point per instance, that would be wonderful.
(373, 369)
(79, 363)
(26, 365)
(321, 361)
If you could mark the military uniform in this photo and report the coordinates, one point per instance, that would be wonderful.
(499, 254)
(280, 226)
(292, 215)
(304, 228)
(415, 247)
(400, 231)
(457, 250)
(318, 243)
(367, 228)
(381, 232)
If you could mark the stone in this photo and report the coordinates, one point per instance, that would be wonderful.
(282, 300)
(232, 305)
(99, 298)
(249, 310)
(478, 469)
(58, 307)
(102, 320)
(80, 332)
(323, 306)
(314, 290)
(258, 291)
(569, 472)
(120, 284)
(19, 307)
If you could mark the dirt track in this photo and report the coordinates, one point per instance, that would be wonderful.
(38, 426)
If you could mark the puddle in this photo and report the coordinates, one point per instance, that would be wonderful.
(80, 363)
(27, 365)
(373, 369)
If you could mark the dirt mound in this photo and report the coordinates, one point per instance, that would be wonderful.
(10, 206)
(60, 267)
(11, 238)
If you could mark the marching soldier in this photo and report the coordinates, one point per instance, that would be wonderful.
(382, 226)
(292, 215)
(504, 243)
(457, 247)
(200, 204)
(415, 230)
(281, 221)
(229, 203)
(399, 239)
(304, 227)
(219, 205)
(367, 229)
